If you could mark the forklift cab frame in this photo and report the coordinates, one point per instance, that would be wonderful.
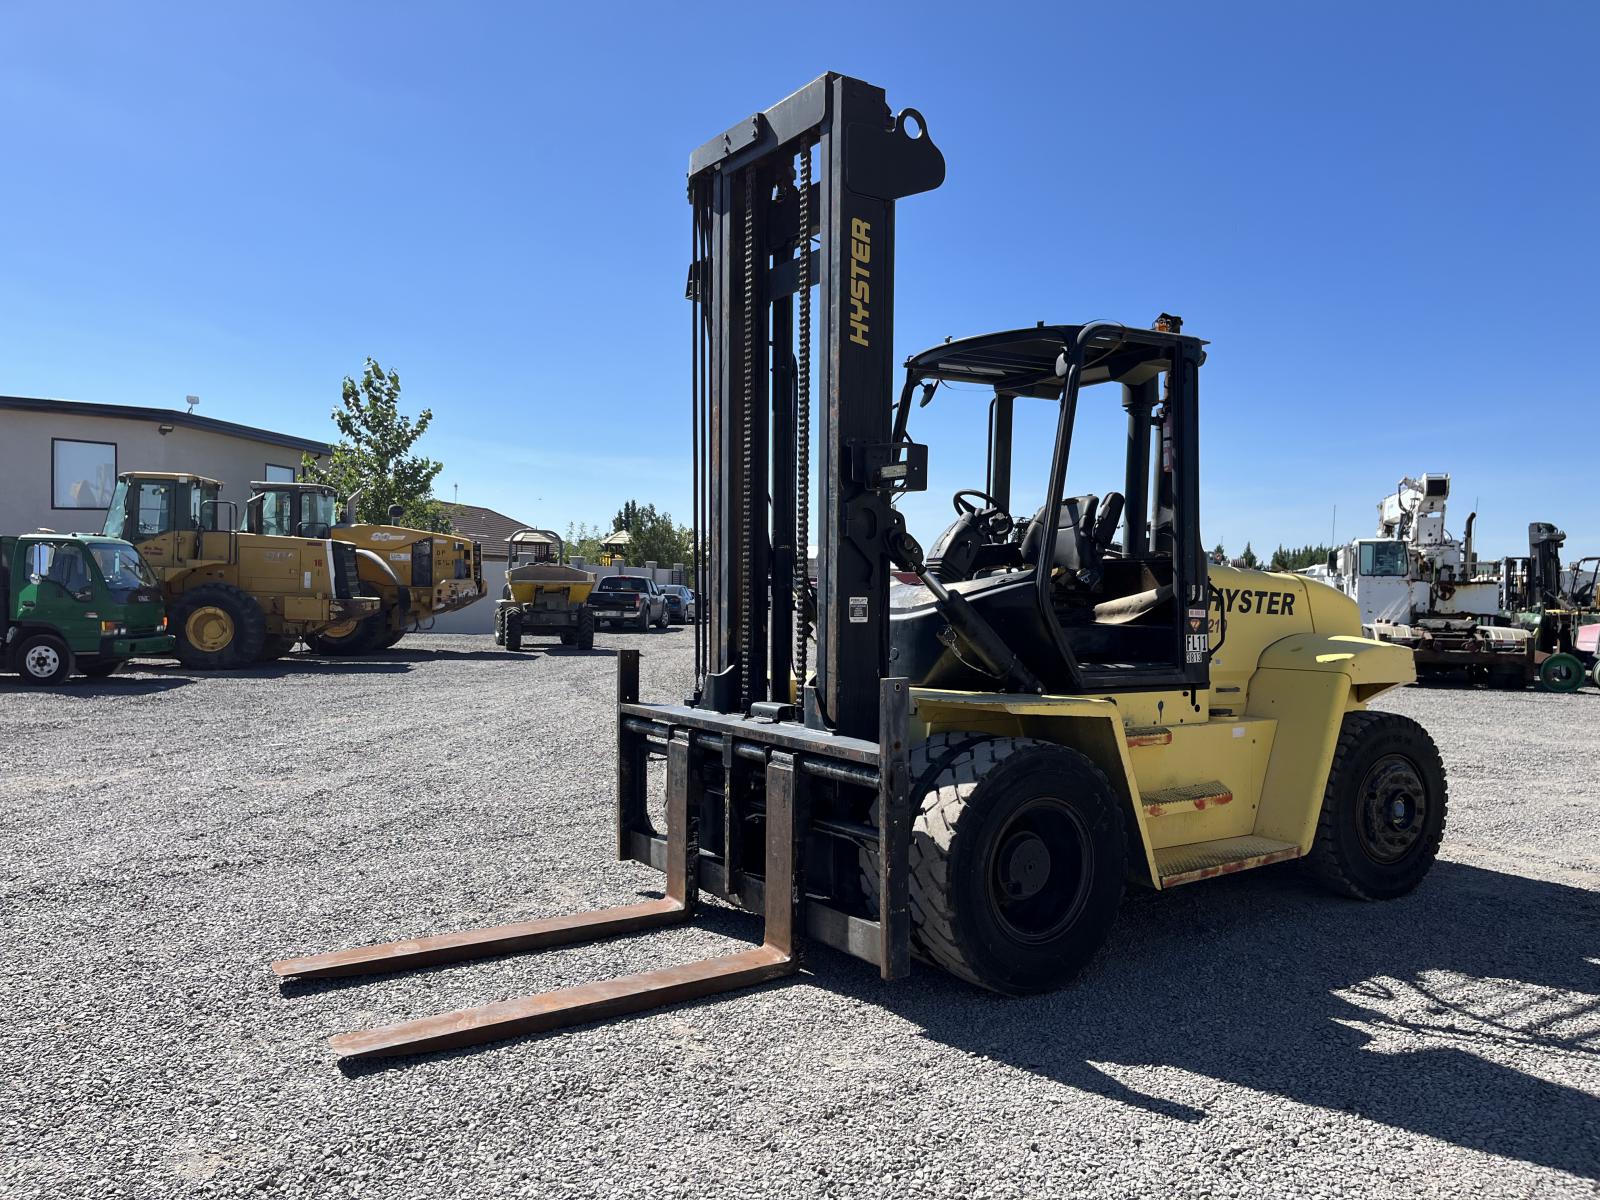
(1160, 520)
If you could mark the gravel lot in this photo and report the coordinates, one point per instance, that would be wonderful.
(166, 836)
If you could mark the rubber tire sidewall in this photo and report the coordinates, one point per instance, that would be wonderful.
(61, 674)
(988, 956)
(249, 627)
(513, 632)
(586, 629)
(1337, 858)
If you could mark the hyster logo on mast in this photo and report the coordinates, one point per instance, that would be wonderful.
(860, 279)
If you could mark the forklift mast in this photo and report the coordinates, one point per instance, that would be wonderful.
(799, 196)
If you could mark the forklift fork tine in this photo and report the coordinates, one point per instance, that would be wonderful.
(482, 943)
(605, 998)
(568, 1006)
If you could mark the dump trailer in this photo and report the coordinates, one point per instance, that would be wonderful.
(76, 603)
(971, 769)
(543, 596)
(233, 598)
(416, 574)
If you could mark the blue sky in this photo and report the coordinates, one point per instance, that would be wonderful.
(1382, 216)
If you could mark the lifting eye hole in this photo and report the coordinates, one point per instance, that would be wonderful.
(911, 124)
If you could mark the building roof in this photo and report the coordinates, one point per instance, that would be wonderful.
(164, 416)
(484, 525)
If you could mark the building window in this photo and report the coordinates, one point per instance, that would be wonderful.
(82, 474)
(277, 474)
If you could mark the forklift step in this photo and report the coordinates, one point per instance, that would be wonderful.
(1148, 735)
(482, 943)
(1223, 856)
(1190, 797)
(568, 1006)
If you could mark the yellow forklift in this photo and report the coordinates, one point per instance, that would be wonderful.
(973, 768)
(233, 598)
(416, 574)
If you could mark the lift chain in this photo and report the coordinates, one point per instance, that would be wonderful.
(746, 466)
(802, 434)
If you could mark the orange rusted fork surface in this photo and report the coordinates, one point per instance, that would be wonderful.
(483, 943)
(568, 1006)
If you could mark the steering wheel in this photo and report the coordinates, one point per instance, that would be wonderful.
(997, 521)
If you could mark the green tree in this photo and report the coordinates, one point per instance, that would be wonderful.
(583, 538)
(1219, 555)
(1299, 558)
(655, 537)
(1249, 557)
(374, 460)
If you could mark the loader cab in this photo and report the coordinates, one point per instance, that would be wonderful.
(153, 510)
(303, 510)
(1104, 585)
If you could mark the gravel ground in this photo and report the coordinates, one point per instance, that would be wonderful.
(166, 836)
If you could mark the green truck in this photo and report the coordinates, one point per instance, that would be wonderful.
(76, 602)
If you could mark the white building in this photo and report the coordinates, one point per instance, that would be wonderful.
(59, 459)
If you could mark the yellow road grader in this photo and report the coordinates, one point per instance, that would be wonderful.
(972, 768)
(416, 574)
(233, 598)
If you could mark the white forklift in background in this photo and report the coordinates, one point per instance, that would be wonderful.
(1417, 585)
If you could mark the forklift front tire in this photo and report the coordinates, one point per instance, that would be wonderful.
(1018, 856)
(44, 660)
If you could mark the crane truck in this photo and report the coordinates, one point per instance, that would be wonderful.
(1419, 586)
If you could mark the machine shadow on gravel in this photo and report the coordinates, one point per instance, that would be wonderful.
(1267, 984)
(91, 689)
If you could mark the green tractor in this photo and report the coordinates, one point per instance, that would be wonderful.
(76, 602)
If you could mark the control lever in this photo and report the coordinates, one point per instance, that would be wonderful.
(987, 646)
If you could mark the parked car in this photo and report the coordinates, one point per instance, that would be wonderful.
(682, 608)
(629, 600)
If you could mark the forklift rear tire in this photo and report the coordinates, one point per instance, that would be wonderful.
(103, 670)
(219, 627)
(43, 660)
(513, 632)
(1018, 855)
(586, 629)
(1560, 673)
(1383, 811)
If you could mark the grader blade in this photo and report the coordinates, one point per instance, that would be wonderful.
(606, 998)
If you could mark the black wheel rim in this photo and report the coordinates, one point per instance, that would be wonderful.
(1040, 871)
(1391, 810)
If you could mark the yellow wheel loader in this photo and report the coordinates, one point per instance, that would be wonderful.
(233, 598)
(543, 596)
(972, 768)
(416, 574)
